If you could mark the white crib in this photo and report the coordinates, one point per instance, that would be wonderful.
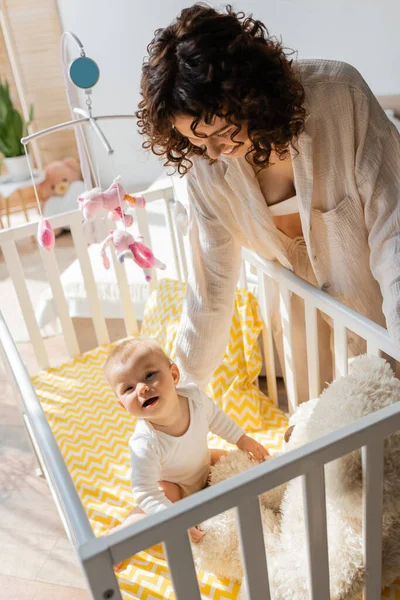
(97, 555)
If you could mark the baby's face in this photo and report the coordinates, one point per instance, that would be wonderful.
(145, 384)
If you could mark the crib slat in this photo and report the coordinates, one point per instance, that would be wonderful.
(143, 226)
(171, 232)
(15, 270)
(101, 578)
(373, 471)
(181, 566)
(131, 325)
(314, 383)
(340, 339)
(182, 254)
(243, 276)
(170, 197)
(99, 322)
(268, 343)
(53, 277)
(174, 196)
(174, 193)
(290, 369)
(253, 549)
(181, 248)
(317, 540)
(373, 349)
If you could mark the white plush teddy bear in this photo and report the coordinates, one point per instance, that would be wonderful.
(369, 387)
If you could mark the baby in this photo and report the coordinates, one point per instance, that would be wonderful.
(170, 458)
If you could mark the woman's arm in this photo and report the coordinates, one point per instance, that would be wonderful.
(214, 265)
(378, 180)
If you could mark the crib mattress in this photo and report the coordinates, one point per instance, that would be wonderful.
(92, 432)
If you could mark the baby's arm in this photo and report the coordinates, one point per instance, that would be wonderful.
(228, 430)
(146, 475)
(145, 487)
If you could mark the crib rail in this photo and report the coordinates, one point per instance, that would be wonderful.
(344, 319)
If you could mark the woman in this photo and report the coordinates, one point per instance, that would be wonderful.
(295, 160)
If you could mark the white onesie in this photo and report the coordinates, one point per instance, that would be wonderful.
(185, 460)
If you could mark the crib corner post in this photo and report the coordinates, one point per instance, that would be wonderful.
(98, 568)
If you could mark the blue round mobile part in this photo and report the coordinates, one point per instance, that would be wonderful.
(84, 72)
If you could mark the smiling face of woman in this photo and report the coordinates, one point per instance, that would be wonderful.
(217, 137)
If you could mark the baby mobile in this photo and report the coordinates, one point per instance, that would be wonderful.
(84, 73)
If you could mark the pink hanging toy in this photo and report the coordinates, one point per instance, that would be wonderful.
(45, 235)
(127, 247)
(92, 201)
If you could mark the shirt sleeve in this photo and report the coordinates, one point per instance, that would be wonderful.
(378, 181)
(219, 422)
(213, 266)
(146, 469)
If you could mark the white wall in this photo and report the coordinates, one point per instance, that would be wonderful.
(116, 33)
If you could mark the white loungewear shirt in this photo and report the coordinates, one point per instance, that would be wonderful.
(185, 460)
(346, 166)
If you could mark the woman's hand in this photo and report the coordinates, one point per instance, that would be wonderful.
(253, 448)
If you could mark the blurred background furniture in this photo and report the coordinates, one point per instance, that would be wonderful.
(13, 198)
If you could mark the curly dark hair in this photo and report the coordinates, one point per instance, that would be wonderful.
(209, 64)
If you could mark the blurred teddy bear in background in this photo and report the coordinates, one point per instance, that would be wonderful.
(62, 186)
(57, 193)
(60, 174)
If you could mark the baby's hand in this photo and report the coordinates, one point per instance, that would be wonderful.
(252, 447)
(196, 534)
